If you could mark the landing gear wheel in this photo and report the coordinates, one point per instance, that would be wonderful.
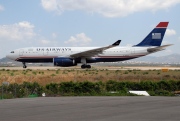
(24, 66)
(85, 66)
(88, 66)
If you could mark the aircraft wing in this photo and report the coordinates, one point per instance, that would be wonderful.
(92, 52)
(159, 48)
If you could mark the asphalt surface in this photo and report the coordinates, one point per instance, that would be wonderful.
(96, 67)
(137, 108)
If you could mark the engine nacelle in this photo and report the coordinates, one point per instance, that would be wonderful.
(64, 62)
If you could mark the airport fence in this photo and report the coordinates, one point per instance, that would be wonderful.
(27, 89)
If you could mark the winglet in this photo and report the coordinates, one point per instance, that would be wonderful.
(116, 43)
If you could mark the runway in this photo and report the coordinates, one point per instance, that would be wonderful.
(137, 108)
(95, 67)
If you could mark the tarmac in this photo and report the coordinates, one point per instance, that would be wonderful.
(135, 108)
(94, 67)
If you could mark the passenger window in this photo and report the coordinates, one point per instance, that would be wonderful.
(12, 51)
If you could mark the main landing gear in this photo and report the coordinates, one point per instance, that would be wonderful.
(84, 63)
(24, 65)
(85, 66)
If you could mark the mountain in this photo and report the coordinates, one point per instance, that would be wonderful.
(5, 60)
(173, 58)
(8, 62)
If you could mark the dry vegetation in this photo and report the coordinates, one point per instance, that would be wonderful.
(44, 77)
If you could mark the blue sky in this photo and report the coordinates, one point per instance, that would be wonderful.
(31, 23)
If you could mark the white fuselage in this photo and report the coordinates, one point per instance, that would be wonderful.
(43, 53)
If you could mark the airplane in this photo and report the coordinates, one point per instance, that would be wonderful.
(71, 56)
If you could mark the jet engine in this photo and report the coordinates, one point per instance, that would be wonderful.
(64, 62)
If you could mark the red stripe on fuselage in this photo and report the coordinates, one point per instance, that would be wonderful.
(35, 57)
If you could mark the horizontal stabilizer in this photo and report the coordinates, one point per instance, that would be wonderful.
(152, 50)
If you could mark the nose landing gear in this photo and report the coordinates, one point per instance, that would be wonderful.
(24, 65)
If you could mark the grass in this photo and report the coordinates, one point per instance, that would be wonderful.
(44, 77)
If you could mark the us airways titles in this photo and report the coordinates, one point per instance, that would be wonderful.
(53, 49)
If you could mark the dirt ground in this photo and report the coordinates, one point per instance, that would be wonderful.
(45, 75)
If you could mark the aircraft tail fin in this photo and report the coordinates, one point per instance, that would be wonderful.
(155, 37)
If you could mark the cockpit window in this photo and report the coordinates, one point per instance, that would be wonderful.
(12, 51)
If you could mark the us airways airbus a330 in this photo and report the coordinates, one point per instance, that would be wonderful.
(71, 56)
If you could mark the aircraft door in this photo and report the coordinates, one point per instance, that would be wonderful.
(21, 52)
(132, 50)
